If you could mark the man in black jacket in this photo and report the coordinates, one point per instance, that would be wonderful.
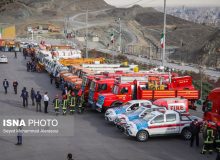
(32, 96)
(38, 98)
(24, 95)
(195, 129)
(15, 85)
(6, 85)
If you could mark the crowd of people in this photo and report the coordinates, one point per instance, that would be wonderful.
(68, 101)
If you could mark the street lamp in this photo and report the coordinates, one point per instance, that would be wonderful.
(87, 33)
(201, 81)
(120, 35)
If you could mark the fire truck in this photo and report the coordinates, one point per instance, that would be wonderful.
(104, 85)
(124, 91)
(211, 108)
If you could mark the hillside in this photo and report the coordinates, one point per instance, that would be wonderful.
(141, 27)
(24, 10)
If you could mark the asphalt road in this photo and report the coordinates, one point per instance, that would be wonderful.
(93, 139)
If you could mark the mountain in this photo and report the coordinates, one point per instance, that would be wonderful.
(186, 41)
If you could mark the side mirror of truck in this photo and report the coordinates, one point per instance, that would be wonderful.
(209, 106)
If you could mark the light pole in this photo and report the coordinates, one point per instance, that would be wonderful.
(201, 81)
(120, 40)
(32, 35)
(87, 33)
(164, 35)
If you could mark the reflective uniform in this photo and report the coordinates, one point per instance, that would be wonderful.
(56, 106)
(217, 141)
(80, 107)
(208, 141)
(64, 106)
(68, 96)
(72, 104)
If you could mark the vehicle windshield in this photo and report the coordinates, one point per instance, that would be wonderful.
(102, 87)
(115, 89)
(147, 117)
(141, 109)
(126, 105)
(92, 86)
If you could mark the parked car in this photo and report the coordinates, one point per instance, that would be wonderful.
(160, 124)
(112, 113)
(3, 59)
(122, 120)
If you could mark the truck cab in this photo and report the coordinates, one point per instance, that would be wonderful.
(124, 90)
(211, 107)
(99, 86)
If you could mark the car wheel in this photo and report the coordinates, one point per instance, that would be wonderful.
(142, 136)
(186, 134)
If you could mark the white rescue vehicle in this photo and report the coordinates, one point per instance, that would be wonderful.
(112, 113)
(3, 59)
(160, 124)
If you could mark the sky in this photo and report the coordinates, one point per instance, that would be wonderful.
(159, 3)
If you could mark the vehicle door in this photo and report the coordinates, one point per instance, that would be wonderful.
(124, 94)
(171, 124)
(156, 125)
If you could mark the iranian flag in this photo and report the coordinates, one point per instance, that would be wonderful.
(162, 40)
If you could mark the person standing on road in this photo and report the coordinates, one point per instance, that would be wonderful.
(25, 53)
(38, 98)
(19, 134)
(46, 102)
(56, 103)
(217, 141)
(51, 78)
(72, 103)
(15, 54)
(65, 91)
(24, 95)
(208, 143)
(5, 85)
(28, 66)
(64, 104)
(195, 129)
(33, 96)
(69, 156)
(15, 85)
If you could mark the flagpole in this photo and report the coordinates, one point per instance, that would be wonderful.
(87, 56)
(164, 34)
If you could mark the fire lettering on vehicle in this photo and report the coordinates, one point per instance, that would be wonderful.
(176, 107)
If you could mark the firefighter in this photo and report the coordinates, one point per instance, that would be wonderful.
(208, 141)
(56, 105)
(64, 104)
(68, 96)
(72, 103)
(217, 141)
(81, 103)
